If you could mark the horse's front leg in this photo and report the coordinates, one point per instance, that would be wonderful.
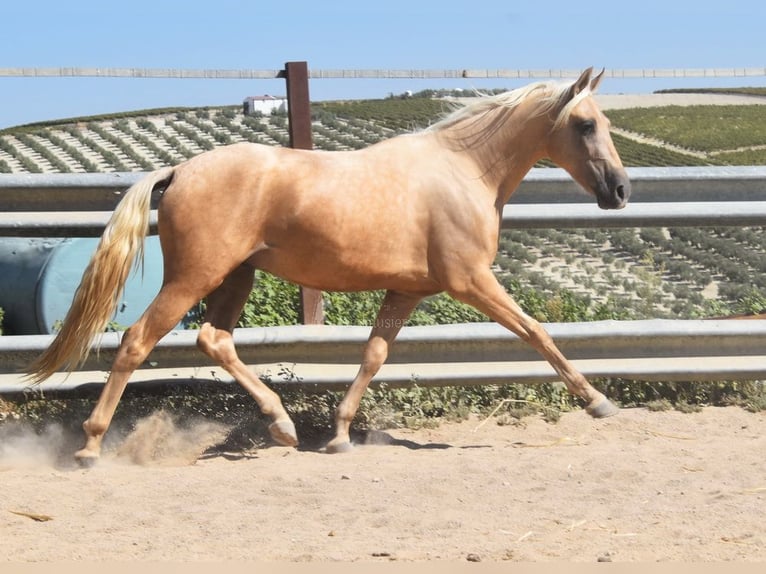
(391, 317)
(483, 292)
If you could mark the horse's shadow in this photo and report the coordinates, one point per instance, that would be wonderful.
(382, 438)
(316, 442)
(366, 438)
(246, 440)
(363, 439)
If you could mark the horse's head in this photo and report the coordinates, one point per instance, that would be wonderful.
(580, 143)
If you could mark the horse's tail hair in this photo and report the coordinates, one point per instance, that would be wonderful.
(120, 249)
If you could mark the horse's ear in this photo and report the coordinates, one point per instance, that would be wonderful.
(581, 83)
(597, 80)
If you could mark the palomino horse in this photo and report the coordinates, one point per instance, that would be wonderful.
(415, 215)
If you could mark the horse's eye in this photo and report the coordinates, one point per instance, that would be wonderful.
(587, 127)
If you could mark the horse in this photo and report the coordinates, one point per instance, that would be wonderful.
(415, 215)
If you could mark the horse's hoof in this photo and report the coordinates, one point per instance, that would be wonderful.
(284, 433)
(602, 409)
(339, 447)
(85, 460)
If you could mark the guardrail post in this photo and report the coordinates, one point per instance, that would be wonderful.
(299, 126)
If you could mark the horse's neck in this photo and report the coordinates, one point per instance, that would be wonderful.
(505, 151)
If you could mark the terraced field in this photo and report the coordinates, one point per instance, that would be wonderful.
(627, 273)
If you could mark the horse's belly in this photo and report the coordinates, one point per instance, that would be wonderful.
(354, 271)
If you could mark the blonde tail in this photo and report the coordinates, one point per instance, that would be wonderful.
(120, 248)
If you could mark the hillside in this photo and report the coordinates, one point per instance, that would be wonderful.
(660, 136)
(624, 273)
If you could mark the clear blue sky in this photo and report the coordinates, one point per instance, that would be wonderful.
(354, 34)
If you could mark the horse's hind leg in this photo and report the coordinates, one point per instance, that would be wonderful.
(392, 315)
(167, 309)
(488, 296)
(224, 306)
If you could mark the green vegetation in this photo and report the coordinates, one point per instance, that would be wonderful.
(100, 118)
(638, 154)
(396, 114)
(703, 128)
(744, 91)
(743, 157)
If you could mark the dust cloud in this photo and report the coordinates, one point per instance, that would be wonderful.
(159, 439)
(23, 447)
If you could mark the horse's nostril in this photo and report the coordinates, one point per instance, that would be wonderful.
(620, 191)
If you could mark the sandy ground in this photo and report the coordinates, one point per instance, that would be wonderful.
(641, 486)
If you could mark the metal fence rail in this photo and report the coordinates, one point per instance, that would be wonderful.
(410, 73)
(477, 353)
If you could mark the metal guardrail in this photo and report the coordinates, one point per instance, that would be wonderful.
(477, 353)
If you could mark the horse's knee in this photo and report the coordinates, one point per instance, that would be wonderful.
(375, 354)
(216, 344)
(205, 338)
(132, 351)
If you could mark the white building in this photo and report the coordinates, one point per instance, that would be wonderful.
(264, 104)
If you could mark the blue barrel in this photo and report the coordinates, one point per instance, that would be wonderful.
(38, 279)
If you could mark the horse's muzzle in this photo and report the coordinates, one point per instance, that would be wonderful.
(616, 192)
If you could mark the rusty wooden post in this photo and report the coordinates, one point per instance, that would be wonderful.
(299, 126)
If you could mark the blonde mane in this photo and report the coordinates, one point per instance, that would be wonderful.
(549, 94)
